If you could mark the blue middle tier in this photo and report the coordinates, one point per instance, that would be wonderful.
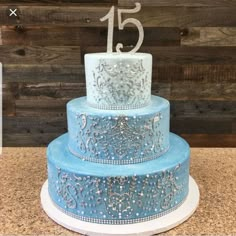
(118, 136)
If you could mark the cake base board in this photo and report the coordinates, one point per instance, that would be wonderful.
(151, 227)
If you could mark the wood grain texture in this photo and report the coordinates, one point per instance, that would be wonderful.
(168, 73)
(18, 130)
(43, 73)
(193, 43)
(39, 36)
(210, 140)
(77, 36)
(40, 55)
(182, 55)
(81, 15)
(58, 2)
(8, 99)
(209, 73)
(195, 90)
(31, 125)
(161, 36)
(50, 90)
(201, 126)
(36, 139)
(177, 16)
(184, 3)
(37, 107)
(89, 16)
(209, 36)
(203, 109)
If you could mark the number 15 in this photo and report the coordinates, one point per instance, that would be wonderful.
(121, 25)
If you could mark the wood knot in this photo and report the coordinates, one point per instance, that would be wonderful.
(20, 52)
(184, 32)
(20, 28)
(87, 20)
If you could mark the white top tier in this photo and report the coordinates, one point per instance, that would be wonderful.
(118, 80)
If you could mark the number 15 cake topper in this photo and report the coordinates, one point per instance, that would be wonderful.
(110, 17)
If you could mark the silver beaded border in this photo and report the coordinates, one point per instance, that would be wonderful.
(118, 222)
(127, 107)
(117, 162)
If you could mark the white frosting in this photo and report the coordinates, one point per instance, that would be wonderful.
(118, 80)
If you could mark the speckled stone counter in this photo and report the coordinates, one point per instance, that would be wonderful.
(23, 171)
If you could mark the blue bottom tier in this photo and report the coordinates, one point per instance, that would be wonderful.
(118, 194)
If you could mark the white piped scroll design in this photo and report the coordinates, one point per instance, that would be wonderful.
(121, 83)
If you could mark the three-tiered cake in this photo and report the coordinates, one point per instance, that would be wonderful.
(118, 164)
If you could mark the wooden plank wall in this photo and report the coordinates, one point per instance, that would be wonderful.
(193, 43)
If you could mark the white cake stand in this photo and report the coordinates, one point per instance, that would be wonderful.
(151, 227)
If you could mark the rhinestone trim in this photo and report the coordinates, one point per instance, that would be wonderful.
(117, 162)
(121, 107)
(118, 222)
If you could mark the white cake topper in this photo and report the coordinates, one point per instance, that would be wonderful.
(121, 25)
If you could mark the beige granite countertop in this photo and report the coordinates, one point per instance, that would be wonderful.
(23, 171)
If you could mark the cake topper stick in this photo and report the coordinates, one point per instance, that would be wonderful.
(121, 25)
(110, 17)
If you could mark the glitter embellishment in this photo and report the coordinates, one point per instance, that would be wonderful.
(119, 139)
(123, 85)
(119, 222)
(120, 197)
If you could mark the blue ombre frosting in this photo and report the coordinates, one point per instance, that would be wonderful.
(118, 163)
(118, 136)
(118, 194)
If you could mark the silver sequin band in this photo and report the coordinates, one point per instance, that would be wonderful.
(118, 162)
(127, 107)
(118, 222)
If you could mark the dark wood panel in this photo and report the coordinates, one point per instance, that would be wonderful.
(22, 131)
(8, 99)
(39, 36)
(173, 16)
(208, 82)
(33, 125)
(50, 90)
(53, 2)
(81, 15)
(162, 89)
(201, 125)
(185, 3)
(43, 95)
(203, 109)
(37, 107)
(28, 139)
(164, 72)
(192, 55)
(195, 140)
(171, 73)
(161, 36)
(35, 99)
(94, 36)
(211, 140)
(195, 90)
(43, 73)
(40, 55)
(42, 51)
(209, 36)
(211, 73)
(182, 55)
(195, 73)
